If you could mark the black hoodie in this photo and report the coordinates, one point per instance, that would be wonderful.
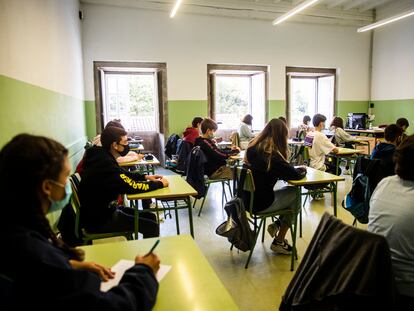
(385, 153)
(102, 181)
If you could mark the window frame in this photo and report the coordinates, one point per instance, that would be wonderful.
(160, 71)
(211, 76)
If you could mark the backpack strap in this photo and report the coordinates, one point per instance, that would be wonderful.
(241, 182)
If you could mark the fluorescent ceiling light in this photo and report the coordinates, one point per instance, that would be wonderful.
(175, 8)
(294, 11)
(386, 21)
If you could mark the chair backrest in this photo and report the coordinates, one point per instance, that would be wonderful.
(183, 155)
(195, 171)
(248, 187)
(75, 202)
(363, 271)
(235, 139)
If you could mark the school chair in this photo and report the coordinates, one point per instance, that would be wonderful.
(235, 139)
(258, 220)
(343, 268)
(81, 233)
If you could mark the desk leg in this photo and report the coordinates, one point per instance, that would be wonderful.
(177, 222)
(136, 218)
(299, 200)
(335, 188)
(190, 216)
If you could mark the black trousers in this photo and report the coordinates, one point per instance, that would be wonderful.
(123, 220)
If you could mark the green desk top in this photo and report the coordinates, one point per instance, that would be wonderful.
(177, 187)
(141, 162)
(191, 284)
(314, 176)
(348, 151)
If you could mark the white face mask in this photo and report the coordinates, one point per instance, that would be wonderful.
(59, 205)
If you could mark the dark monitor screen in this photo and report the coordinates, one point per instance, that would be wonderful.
(357, 121)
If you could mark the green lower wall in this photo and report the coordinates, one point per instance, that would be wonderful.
(26, 108)
(343, 107)
(90, 118)
(277, 108)
(388, 111)
(182, 112)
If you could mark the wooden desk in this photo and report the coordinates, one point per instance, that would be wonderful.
(143, 166)
(191, 284)
(178, 188)
(315, 177)
(376, 133)
(224, 144)
(344, 153)
(139, 147)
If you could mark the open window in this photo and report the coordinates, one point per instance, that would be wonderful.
(309, 91)
(134, 93)
(237, 90)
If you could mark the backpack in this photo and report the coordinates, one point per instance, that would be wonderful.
(171, 145)
(357, 200)
(237, 229)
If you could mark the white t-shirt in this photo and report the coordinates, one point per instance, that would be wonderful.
(391, 214)
(320, 146)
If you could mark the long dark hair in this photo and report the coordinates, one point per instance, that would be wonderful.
(25, 162)
(338, 122)
(247, 119)
(272, 141)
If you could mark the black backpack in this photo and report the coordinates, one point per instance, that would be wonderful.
(237, 228)
(171, 145)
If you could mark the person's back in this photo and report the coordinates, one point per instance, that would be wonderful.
(319, 145)
(385, 151)
(392, 215)
(245, 131)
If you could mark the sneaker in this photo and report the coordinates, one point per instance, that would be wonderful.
(318, 196)
(281, 247)
(273, 228)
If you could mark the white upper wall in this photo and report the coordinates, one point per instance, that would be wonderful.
(40, 43)
(188, 43)
(393, 61)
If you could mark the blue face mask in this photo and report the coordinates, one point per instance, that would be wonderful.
(58, 205)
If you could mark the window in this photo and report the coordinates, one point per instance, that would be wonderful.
(134, 93)
(310, 91)
(235, 91)
(131, 98)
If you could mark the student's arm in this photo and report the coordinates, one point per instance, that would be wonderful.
(325, 145)
(245, 132)
(129, 183)
(212, 152)
(284, 170)
(343, 135)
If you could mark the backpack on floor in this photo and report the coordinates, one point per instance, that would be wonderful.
(237, 229)
(357, 200)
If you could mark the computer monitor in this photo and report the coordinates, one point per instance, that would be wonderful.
(357, 121)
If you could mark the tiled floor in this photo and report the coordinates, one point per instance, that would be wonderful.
(262, 285)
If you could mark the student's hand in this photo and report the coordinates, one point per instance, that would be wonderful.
(104, 273)
(236, 148)
(153, 177)
(140, 156)
(302, 169)
(164, 181)
(335, 150)
(150, 260)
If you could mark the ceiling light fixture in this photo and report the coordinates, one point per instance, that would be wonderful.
(175, 8)
(386, 21)
(294, 11)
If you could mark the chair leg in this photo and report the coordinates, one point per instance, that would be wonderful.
(176, 218)
(202, 203)
(293, 231)
(256, 235)
(263, 231)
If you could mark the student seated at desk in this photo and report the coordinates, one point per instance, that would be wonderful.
(403, 124)
(320, 146)
(245, 131)
(341, 138)
(191, 133)
(385, 151)
(392, 215)
(267, 157)
(37, 270)
(129, 157)
(215, 168)
(303, 128)
(103, 180)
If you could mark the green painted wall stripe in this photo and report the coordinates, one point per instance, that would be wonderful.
(90, 118)
(182, 112)
(277, 108)
(343, 107)
(26, 108)
(388, 111)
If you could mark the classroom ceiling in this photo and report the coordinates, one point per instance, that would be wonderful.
(338, 12)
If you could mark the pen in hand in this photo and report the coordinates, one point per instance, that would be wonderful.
(152, 248)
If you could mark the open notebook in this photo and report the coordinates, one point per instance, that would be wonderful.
(121, 266)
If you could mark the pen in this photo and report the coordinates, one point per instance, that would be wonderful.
(152, 248)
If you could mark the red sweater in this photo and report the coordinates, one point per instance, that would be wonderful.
(190, 134)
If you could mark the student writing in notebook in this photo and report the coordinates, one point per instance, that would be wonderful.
(37, 270)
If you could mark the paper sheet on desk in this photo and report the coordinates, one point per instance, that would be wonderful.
(121, 266)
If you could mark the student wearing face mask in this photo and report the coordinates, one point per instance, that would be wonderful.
(215, 167)
(38, 270)
(103, 180)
